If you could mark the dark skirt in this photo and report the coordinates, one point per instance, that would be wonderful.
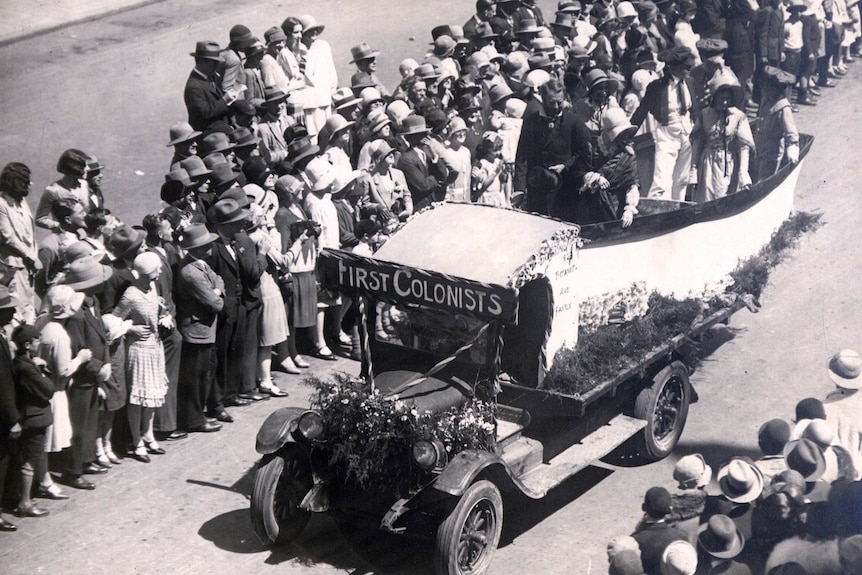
(304, 299)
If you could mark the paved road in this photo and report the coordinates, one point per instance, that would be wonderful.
(114, 87)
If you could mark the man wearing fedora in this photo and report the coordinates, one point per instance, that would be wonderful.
(206, 101)
(425, 171)
(365, 59)
(10, 426)
(843, 406)
(273, 122)
(86, 331)
(252, 73)
(719, 541)
(184, 140)
(236, 259)
(485, 10)
(740, 483)
(271, 71)
(200, 299)
(230, 67)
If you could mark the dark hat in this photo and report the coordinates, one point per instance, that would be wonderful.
(413, 125)
(216, 142)
(426, 71)
(437, 120)
(274, 34)
(773, 436)
(179, 175)
(7, 299)
(125, 241)
(484, 31)
(214, 159)
(255, 170)
(810, 408)
(686, 6)
(778, 76)
(720, 538)
(362, 51)
(709, 47)
(527, 26)
(240, 37)
(540, 61)
(226, 211)
(467, 103)
(806, 457)
(87, 272)
(657, 502)
(182, 132)
(222, 177)
(172, 191)
(94, 165)
(597, 78)
(485, 4)
(540, 178)
(301, 148)
(237, 194)
(195, 167)
(294, 132)
(23, 334)
(365, 228)
(677, 56)
(255, 48)
(570, 7)
(645, 59)
(344, 97)
(207, 51)
(195, 236)
(334, 124)
(242, 137)
(272, 94)
(499, 92)
(563, 20)
(796, 5)
(444, 46)
(244, 107)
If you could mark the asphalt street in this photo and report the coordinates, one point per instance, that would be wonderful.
(114, 87)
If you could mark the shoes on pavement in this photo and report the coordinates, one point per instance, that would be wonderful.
(7, 526)
(93, 468)
(51, 492)
(154, 448)
(253, 396)
(326, 354)
(300, 362)
(103, 461)
(237, 401)
(223, 416)
(272, 389)
(174, 435)
(207, 427)
(78, 482)
(289, 366)
(140, 454)
(30, 511)
(112, 457)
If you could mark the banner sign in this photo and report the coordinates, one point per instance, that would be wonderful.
(347, 272)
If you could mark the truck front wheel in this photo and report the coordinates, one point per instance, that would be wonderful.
(468, 537)
(280, 483)
(664, 406)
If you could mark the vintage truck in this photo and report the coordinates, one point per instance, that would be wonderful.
(471, 302)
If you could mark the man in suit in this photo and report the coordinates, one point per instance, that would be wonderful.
(206, 102)
(236, 259)
(10, 426)
(672, 103)
(86, 331)
(485, 10)
(425, 172)
(655, 534)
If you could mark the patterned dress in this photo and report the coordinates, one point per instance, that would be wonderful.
(145, 363)
(718, 169)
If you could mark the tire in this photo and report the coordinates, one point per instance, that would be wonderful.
(664, 406)
(468, 537)
(280, 483)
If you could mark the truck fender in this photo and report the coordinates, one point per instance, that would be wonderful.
(463, 469)
(276, 429)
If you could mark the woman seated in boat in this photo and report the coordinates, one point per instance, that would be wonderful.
(722, 141)
(777, 139)
(611, 191)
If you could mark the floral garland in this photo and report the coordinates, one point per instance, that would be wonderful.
(563, 240)
(614, 307)
(369, 437)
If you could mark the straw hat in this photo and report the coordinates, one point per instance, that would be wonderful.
(309, 23)
(740, 481)
(845, 369)
(319, 174)
(86, 273)
(61, 301)
(615, 123)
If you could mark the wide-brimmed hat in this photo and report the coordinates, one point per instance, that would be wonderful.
(499, 93)
(341, 180)
(379, 149)
(222, 177)
(362, 51)
(94, 165)
(820, 432)
(195, 236)
(543, 45)
(845, 369)
(272, 94)
(182, 132)
(540, 178)
(243, 137)
(243, 107)
(540, 61)
(740, 481)
(238, 195)
(484, 31)
(319, 174)
(288, 184)
(444, 46)
(679, 558)
(207, 50)
(214, 159)
(615, 124)
(227, 211)
(344, 97)
(426, 72)
(413, 125)
(563, 20)
(215, 142)
(646, 59)
(301, 148)
(309, 23)
(61, 301)
(334, 124)
(7, 299)
(125, 241)
(274, 34)
(773, 436)
(806, 457)
(195, 167)
(255, 170)
(720, 538)
(596, 78)
(76, 251)
(527, 26)
(726, 80)
(692, 471)
(86, 273)
(179, 175)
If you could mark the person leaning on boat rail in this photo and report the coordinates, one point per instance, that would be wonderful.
(776, 138)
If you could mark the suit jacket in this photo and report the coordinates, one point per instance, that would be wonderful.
(769, 34)
(426, 180)
(241, 275)
(198, 305)
(33, 392)
(655, 101)
(86, 331)
(652, 540)
(9, 415)
(204, 102)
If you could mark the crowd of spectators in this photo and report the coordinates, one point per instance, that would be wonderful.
(127, 335)
(795, 510)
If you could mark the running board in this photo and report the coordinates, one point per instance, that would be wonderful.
(596, 445)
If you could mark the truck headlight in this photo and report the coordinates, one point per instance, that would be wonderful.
(310, 425)
(429, 454)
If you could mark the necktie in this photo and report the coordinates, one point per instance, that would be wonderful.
(681, 96)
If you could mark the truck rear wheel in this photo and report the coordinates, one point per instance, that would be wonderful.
(468, 537)
(280, 483)
(664, 406)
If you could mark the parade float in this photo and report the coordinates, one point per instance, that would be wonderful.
(506, 351)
